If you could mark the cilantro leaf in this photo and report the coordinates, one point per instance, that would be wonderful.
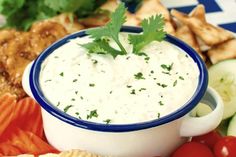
(101, 47)
(112, 29)
(152, 31)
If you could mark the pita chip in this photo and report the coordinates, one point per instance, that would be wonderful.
(226, 50)
(208, 33)
(152, 7)
(185, 34)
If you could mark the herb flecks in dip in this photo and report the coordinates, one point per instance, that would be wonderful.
(126, 89)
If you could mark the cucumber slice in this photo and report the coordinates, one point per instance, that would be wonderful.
(222, 77)
(223, 127)
(232, 127)
(202, 109)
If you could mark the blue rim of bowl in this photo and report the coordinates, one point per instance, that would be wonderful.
(54, 111)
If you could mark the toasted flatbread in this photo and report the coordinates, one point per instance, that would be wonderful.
(208, 33)
(169, 28)
(69, 21)
(110, 5)
(226, 50)
(152, 7)
(184, 33)
(199, 12)
(132, 20)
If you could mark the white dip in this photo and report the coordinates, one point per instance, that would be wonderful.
(127, 89)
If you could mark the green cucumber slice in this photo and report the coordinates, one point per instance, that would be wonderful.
(232, 127)
(202, 109)
(222, 77)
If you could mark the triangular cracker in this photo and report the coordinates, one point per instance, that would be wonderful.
(208, 33)
(226, 50)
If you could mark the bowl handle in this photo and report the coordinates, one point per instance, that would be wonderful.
(194, 126)
(25, 80)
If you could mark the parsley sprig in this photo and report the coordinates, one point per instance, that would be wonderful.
(152, 31)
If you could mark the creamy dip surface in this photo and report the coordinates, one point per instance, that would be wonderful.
(127, 89)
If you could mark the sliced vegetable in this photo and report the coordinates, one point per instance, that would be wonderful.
(223, 127)
(8, 149)
(27, 116)
(193, 149)
(209, 139)
(28, 143)
(202, 109)
(222, 77)
(232, 127)
(7, 102)
(226, 147)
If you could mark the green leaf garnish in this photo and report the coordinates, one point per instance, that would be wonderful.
(111, 30)
(101, 47)
(152, 31)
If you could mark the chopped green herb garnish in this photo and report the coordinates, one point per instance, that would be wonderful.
(161, 103)
(128, 86)
(77, 113)
(141, 89)
(75, 80)
(165, 72)
(162, 85)
(167, 67)
(67, 108)
(186, 55)
(221, 79)
(107, 121)
(152, 72)
(56, 57)
(91, 85)
(110, 92)
(175, 83)
(92, 114)
(76, 92)
(58, 103)
(158, 115)
(133, 91)
(61, 74)
(139, 76)
(181, 78)
(81, 97)
(47, 80)
(73, 99)
(146, 58)
(94, 61)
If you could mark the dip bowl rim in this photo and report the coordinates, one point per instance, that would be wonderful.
(54, 111)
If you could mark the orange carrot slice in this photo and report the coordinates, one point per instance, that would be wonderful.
(8, 150)
(27, 116)
(7, 102)
(28, 143)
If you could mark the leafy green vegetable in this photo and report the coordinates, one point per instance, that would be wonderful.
(101, 47)
(110, 30)
(152, 31)
(21, 14)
